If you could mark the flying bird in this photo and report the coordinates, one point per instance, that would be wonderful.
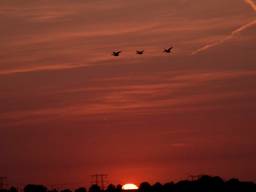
(140, 52)
(168, 50)
(116, 53)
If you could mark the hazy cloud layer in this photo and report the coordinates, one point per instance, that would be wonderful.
(46, 35)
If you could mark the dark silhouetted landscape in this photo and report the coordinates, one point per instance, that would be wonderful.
(203, 183)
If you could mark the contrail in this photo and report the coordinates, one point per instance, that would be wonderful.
(251, 3)
(232, 34)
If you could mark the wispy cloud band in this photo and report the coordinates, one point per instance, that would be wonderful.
(231, 35)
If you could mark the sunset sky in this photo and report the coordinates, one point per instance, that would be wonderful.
(68, 109)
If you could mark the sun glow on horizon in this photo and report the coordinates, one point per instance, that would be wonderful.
(129, 186)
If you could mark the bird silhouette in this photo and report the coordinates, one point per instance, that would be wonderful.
(116, 53)
(168, 50)
(140, 52)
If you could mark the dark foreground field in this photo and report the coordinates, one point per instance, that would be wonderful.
(200, 184)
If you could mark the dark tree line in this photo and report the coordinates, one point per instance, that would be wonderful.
(202, 184)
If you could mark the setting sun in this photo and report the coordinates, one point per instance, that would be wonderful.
(129, 186)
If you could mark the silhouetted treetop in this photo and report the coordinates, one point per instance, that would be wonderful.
(94, 188)
(145, 187)
(53, 190)
(35, 188)
(204, 183)
(111, 188)
(80, 189)
(66, 190)
(118, 188)
(13, 189)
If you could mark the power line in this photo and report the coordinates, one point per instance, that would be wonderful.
(100, 180)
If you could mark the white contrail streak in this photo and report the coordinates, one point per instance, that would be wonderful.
(232, 34)
(251, 3)
(220, 41)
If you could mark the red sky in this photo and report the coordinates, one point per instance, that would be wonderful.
(68, 109)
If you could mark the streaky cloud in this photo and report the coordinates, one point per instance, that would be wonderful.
(39, 69)
(221, 41)
(251, 3)
(231, 35)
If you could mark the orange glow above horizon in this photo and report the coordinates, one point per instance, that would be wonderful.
(129, 186)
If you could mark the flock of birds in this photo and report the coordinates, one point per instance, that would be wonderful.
(117, 53)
